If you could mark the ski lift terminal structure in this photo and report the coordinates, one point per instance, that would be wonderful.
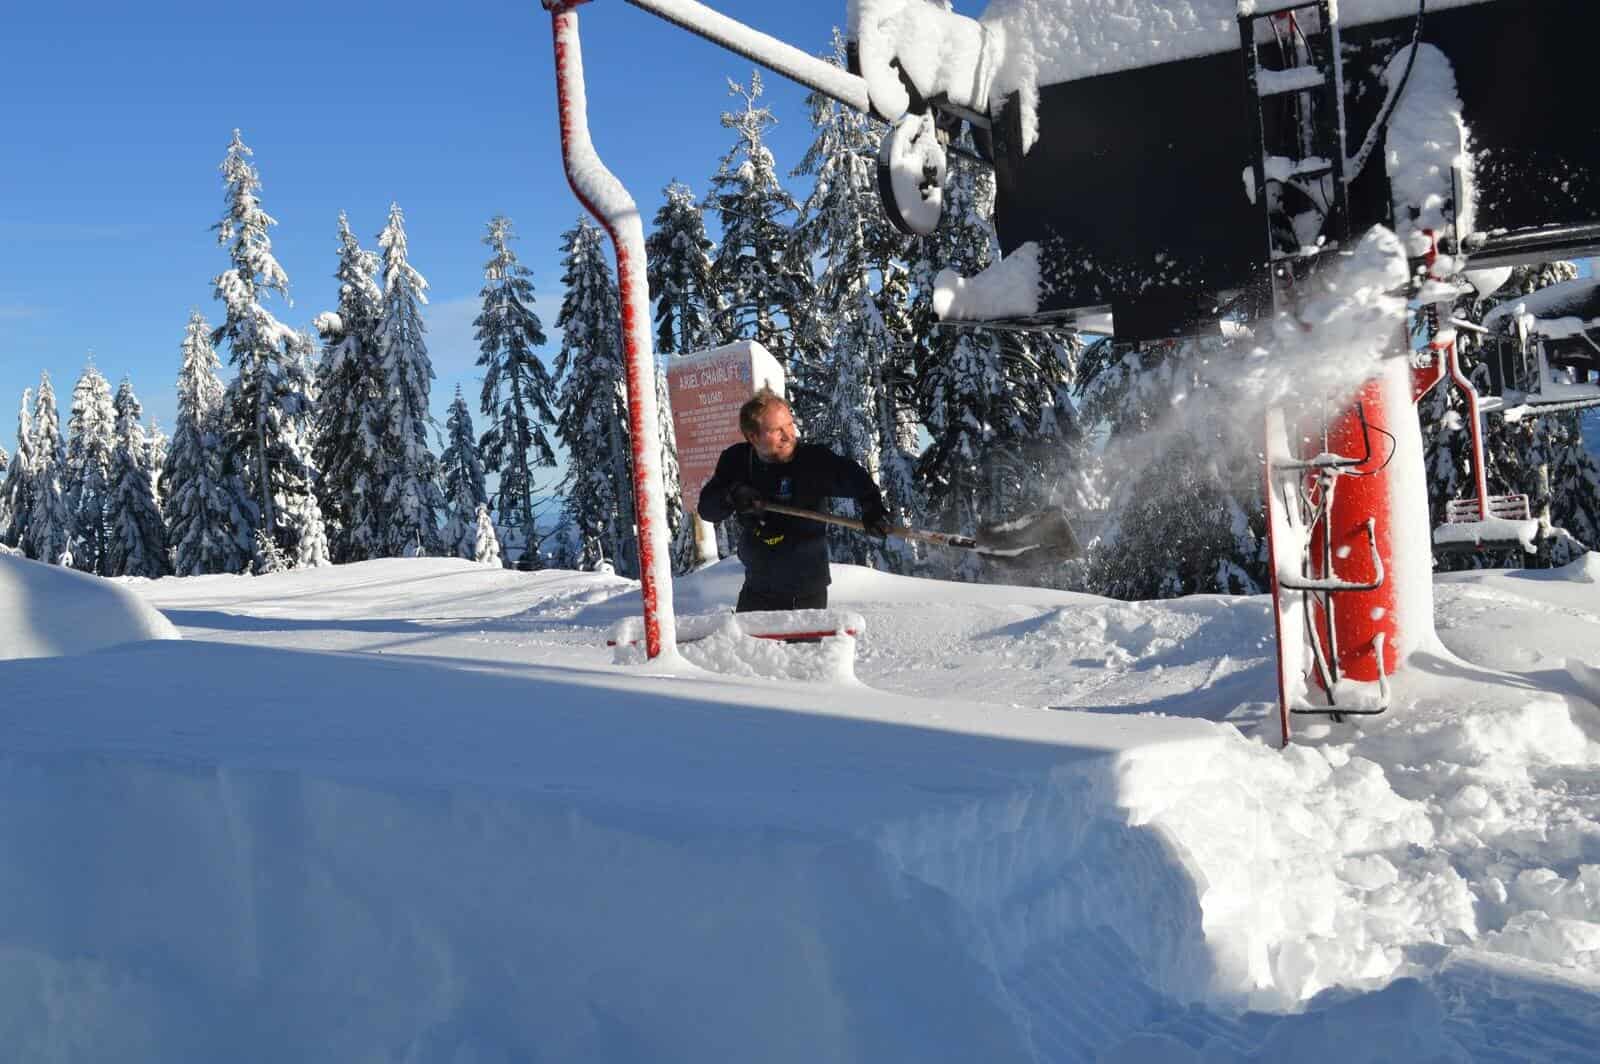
(1177, 185)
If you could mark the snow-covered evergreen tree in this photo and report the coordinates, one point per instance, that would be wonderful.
(209, 522)
(463, 480)
(156, 444)
(519, 393)
(760, 277)
(679, 274)
(486, 544)
(267, 408)
(997, 404)
(16, 494)
(91, 437)
(593, 419)
(412, 497)
(352, 410)
(48, 537)
(269, 557)
(138, 538)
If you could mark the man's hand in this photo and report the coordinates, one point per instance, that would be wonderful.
(745, 500)
(875, 520)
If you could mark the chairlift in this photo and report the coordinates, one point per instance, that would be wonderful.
(1544, 349)
(1482, 522)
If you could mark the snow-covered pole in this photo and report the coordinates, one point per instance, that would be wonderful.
(777, 56)
(602, 194)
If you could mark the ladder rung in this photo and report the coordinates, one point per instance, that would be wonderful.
(1504, 507)
(1267, 10)
(1282, 168)
(1283, 82)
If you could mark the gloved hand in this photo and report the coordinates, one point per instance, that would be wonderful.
(875, 519)
(745, 499)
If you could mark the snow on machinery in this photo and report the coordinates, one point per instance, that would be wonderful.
(1175, 165)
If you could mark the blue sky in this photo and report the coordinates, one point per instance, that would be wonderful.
(118, 116)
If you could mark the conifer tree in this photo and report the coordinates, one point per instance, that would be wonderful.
(519, 393)
(463, 480)
(156, 445)
(138, 538)
(996, 404)
(679, 275)
(593, 420)
(412, 498)
(486, 543)
(761, 278)
(5, 505)
(91, 437)
(49, 533)
(208, 522)
(1183, 514)
(16, 494)
(351, 410)
(267, 407)
(845, 362)
(269, 557)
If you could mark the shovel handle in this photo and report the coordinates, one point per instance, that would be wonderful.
(944, 539)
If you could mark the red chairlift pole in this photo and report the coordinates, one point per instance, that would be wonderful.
(603, 195)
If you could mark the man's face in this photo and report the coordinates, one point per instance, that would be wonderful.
(776, 439)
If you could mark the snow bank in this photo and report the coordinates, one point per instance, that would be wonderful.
(47, 611)
(409, 810)
(499, 863)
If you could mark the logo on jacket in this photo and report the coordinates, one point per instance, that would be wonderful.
(785, 487)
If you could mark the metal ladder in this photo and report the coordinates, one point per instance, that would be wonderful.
(1300, 493)
(1294, 81)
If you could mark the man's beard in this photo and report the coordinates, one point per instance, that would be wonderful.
(778, 459)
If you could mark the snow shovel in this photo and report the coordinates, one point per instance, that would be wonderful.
(1034, 537)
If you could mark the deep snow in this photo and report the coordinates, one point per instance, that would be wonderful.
(410, 810)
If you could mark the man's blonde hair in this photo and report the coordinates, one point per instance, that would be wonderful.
(758, 404)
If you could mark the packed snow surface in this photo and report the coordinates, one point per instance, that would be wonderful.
(411, 810)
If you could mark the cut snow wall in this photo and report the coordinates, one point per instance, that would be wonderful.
(453, 898)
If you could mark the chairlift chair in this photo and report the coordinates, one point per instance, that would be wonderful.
(1481, 522)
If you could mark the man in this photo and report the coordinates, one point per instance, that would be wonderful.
(785, 558)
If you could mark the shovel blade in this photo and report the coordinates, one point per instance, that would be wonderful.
(1036, 537)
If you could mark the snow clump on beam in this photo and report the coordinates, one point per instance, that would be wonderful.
(939, 51)
(1015, 46)
(1007, 289)
(1426, 147)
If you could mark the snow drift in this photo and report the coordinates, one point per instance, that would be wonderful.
(47, 611)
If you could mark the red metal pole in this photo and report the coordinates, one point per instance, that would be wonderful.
(603, 195)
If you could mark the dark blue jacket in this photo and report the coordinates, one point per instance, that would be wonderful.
(783, 554)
